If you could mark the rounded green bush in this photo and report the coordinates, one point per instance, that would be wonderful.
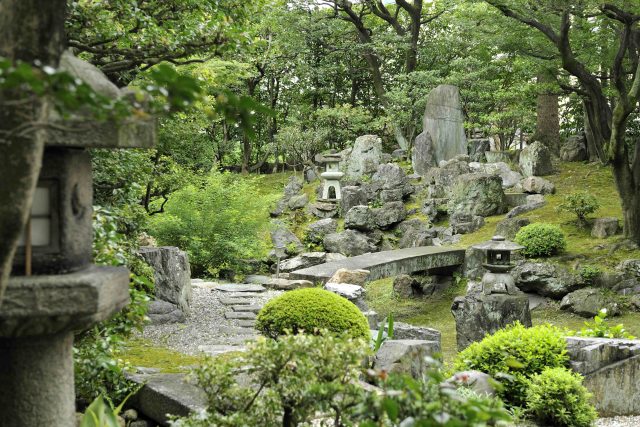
(557, 397)
(309, 310)
(513, 355)
(541, 239)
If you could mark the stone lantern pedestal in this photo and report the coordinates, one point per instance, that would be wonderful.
(495, 302)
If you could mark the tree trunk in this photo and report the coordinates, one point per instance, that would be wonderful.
(548, 118)
(29, 30)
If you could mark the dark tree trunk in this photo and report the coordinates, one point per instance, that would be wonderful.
(547, 116)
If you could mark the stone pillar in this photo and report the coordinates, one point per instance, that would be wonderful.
(36, 374)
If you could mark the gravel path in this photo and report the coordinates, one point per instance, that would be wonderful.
(633, 421)
(207, 325)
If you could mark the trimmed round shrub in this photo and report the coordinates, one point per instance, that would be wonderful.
(541, 239)
(309, 310)
(557, 397)
(513, 355)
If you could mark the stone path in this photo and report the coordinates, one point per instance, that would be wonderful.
(386, 263)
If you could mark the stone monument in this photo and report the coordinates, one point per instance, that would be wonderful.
(444, 122)
(54, 289)
(331, 177)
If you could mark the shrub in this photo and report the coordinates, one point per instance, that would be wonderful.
(581, 204)
(217, 222)
(557, 397)
(589, 273)
(600, 328)
(541, 240)
(515, 354)
(311, 309)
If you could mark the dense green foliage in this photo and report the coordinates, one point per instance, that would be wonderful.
(302, 377)
(557, 397)
(601, 328)
(309, 310)
(217, 221)
(581, 204)
(541, 239)
(513, 355)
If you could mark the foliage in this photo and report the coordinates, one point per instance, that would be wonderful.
(557, 397)
(600, 328)
(216, 220)
(296, 376)
(309, 310)
(514, 355)
(381, 338)
(541, 239)
(589, 273)
(581, 204)
(101, 414)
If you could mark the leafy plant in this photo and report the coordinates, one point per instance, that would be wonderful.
(557, 397)
(581, 204)
(380, 338)
(589, 273)
(513, 355)
(310, 310)
(541, 239)
(101, 414)
(600, 327)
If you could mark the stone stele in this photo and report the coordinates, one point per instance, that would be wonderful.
(443, 121)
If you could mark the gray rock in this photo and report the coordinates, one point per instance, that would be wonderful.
(444, 122)
(476, 148)
(354, 277)
(298, 202)
(509, 177)
(477, 194)
(239, 315)
(508, 227)
(161, 312)
(389, 214)
(574, 149)
(310, 174)
(406, 356)
(544, 279)
(317, 230)
(473, 260)
(352, 196)
(604, 227)
(293, 187)
(360, 218)
(414, 234)
(171, 273)
(528, 207)
(323, 209)
(479, 382)
(349, 243)
(535, 160)
(394, 195)
(304, 260)
(479, 315)
(630, 268)
(238, 287)
(346, 290)
(587, 302)
(364, 158)
(288, 285)
(389, 176)
(405, 331)
(405, 286)
(423, 156)
(281, 236)
(399, 154)
(372, 318)
(443, 177)
(537, 185)
(463, 223)
(431, 208)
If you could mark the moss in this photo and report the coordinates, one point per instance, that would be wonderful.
(139, 352)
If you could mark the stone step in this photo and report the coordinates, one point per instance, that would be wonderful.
(243, 295)
(241, 339)
(247, 324)
(236, 287)
(216, 349)
(239, 332)
(235, 301)
(239, 315)
(251, 308)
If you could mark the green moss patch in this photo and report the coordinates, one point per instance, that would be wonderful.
(139, 352)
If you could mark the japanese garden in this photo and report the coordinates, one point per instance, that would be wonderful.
(319, 213)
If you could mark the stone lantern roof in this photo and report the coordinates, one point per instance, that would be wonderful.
(331, 158)
(498, 243)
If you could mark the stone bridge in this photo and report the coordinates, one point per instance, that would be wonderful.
(387, 263)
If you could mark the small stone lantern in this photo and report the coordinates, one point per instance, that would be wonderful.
(497, 279)
(331, 177)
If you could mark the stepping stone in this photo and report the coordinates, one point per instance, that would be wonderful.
(251, 308)
(247, 324)
(235, 301)
(216, 349)
(196, 280)
(243, 295)
(204, 285)
(235, 287)
(256, 279)
(239, 315)
(250, 335)
(234, 331)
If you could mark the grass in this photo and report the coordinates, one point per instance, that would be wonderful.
(140, 352)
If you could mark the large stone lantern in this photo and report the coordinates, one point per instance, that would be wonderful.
(494, 303)
(331, 190)
(54, 290)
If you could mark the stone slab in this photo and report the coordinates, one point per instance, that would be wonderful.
(386, 263)
(217, 349)
(245, 323)
(237, 287)
(238, 330)
(243, 295)
(239, 315)
(249, 308)
(235, 301)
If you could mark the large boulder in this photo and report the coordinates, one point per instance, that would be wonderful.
(405, 331)
(544, 279)
(281, 236)
(365, 157)
(408, 357)
(355, 277)
(423, 157)
(414, 233)
(537, 185)
(464, 223)
(171, 273)
(478, 194)
(354, 293)
(405, 286)
(304, 260)
(587, 302)
(389, 214)
(509, 177)
(352, 196)
(535, 160)
(476, 148)
(444, 122)
(360, 218)
(508, 227)
(317, 230)
(389, 176)
(162, 312)
(530, 205)
(604, 227)
(574, 149)
(349, 243)
(298, 202)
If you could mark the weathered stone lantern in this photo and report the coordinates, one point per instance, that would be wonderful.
(54, 290)
(331, 177)
(494, 303)
(497, 279)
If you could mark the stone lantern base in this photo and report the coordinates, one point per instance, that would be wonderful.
(38, 317)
